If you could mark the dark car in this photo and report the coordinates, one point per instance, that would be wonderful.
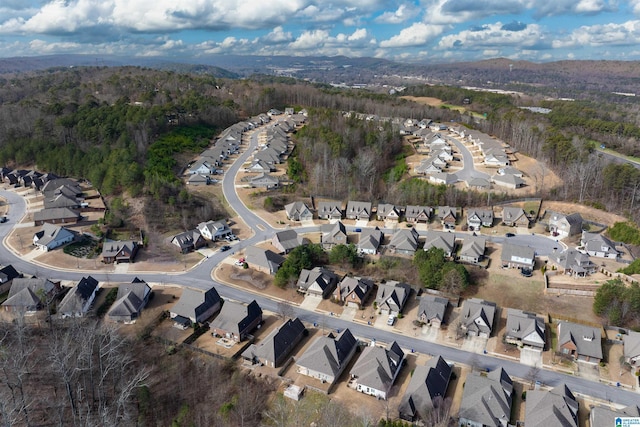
(526, 272)
(509, 234)
(4, 219)
(225, 248)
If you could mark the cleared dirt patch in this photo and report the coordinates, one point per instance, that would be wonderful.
(424, 100)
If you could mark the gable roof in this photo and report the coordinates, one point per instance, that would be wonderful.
(235, 316)
(320, 278)
(393, 294)
(329, 208)
(473, 246)
(51, 233)
(55, 214)
(517, 253)
(329, 354)
(194, 302)
(512, 214)
(289, 239)
(187, 239)
(264, 258)
(487, 399)
(525, 326)
(478, 315)
(605, 416)
(330, 231)
(405, 239)
(428, 384)
(377, 367)
(359, 286)
(483, 215)
(358, 208)
(8, 273)
(587, 339)
(297, 208)
(632, 344)
(556, 407)
(441, 240)
(26, 292)
(433, 307)
(130, 300)
(413, 211)
(278, 343)
(113, 247)
(370, 239)
(77, 297)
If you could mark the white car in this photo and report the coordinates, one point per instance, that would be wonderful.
(391, 320)
(240, 262)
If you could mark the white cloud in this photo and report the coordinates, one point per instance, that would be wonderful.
(402, 14)
(635, 6)
(562, 7)
(277, 35)
(624, 34)
(416, 35)
(457, 11)
(495, 36)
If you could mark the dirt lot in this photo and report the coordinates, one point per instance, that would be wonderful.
(588, 213)
(424, 100)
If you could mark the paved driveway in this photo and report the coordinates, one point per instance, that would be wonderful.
(530, 357)
(474, 344)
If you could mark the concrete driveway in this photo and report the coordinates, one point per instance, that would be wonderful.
(474, 344)
(530, 357)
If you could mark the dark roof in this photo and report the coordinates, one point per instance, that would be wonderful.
(428, 384)
(8, 273)
(194, 302)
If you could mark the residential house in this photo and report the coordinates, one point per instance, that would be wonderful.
(201, 167)
(392, 297)
(517, 256)
(287, 240)
(61, 201)
(388, 212)
(263, 260)
(557, 407)
(119, 251)
(197, 179)
(333, 234)
(78, 300)
(510, 170)
(318, 282)
(52, 236)
(486, 399)
(443, 177)
(473, 248)
(27, 296)
(478, 184)
(358, 210)
(131, 299)
(508, 181)
(58, 186)
(7, 274)
(269, 155)
(477, 317)
(561, 225)
(598, 246)
(298, 211)
(417, 214)
(572, 262)
(525, 329)
(370, 240)
(606, 416)
(432, 310)
(376, 370)
(447, 216)
(426, 390)
(264, 180)
(260, 166)
(513, 216)
(236, 320)
(581, 342)
(496, 160)
(195, 306)
(189, 241)
(328, 356)
(440, 240)
(404, 241)
(477, 218)
(353, 291)
(632, 348)
(329, 210)
(214, 230)
(56, 216)
(274, 350)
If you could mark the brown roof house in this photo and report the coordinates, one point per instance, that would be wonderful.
(376, 370)
(512, 216)
(486, 399)
(328, 356)
(581, 342)
(525, 329)
(557, 407)
(195, 306)
(286, 240)
(131, 299)
(119, 251)
(432, 310)
(333, 234)
(79, 299)
(298, 211)
(353, 291)
(263, 260)
(477, 317)
(236, 320)
(561, 225)
(426, 390)
(392, 297)
(274, 350)
(318, 282)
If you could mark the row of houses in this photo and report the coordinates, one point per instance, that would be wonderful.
(27, 178)
(205, 231)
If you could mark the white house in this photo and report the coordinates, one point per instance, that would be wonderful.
(214, 230)
(52, 236)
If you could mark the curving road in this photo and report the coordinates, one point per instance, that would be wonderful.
(200, 277)
(468, 170)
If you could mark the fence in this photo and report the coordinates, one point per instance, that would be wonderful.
(567, 288)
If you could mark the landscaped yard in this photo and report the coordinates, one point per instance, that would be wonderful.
(86, 247)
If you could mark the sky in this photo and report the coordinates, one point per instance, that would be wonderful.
(406, 31)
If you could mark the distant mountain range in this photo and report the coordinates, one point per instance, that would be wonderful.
(560, 79)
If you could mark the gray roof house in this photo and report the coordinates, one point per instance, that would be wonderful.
(236, 320)
(404, 241)
(598, 245)
(432, 310)
(56, 216)
(477, 317)
(298, 211)
(473, 248)
(328, 356)
(477, 218)
(632, 348)
(414, 213)
(448, 216)
(188, 241)
(263, 260)
(214, 230)
(354, 291)
(333, 234)
(358, 210)
(514, 216)
(388, 212)
(605, 416)
(52, 236)
(525, 329)
(264, 180)
(78, 300)
(195, 306)
(572, 262)
(517, 256)
(370, 240)
(376, 369)
(557, 407)
(119, 251)
(579, 341)
(441, 240)
(508, 181)
(487, 399)
(276, 347)
(130, 300)
(318, 281)
(392, 296)
(27, 296)
(426, 390)
(286, 240)
(329, 210)
(7, 274)
(562, 225)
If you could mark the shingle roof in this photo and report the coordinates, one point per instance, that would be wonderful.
(77, 296)
(377, 367)
(194, 302)
(427, 386)
(329, 354)
(557, 407)
(632, 344)
(264, 258)
(487, 399)
(478, 315)
(587, 339)
(525, 326)
(433, 307)
(278, 343)
(393, 294)
(235, 316)
(441, 240)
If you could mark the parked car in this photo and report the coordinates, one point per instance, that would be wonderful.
(358, 230)
(240, 262)
(509, 234)
(4, 219)
(225, 248)
(391, 320)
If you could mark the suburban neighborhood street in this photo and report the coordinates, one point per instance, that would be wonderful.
(201, 277)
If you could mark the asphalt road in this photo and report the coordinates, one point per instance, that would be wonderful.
(200, 277)
(468, 170)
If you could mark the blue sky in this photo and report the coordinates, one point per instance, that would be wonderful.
(420, 31)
